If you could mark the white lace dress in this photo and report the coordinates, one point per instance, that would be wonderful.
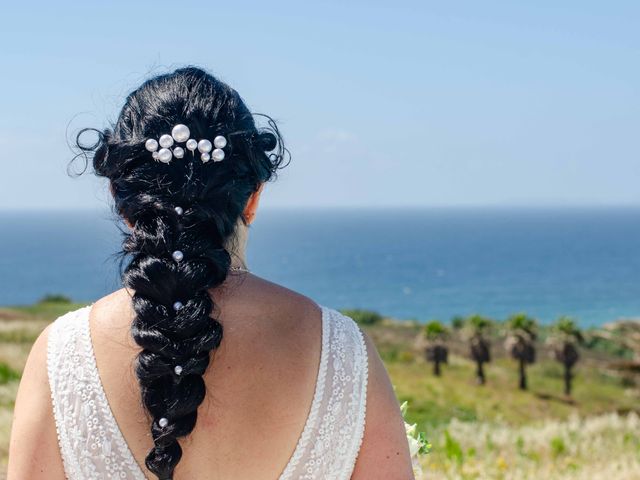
(92, 446)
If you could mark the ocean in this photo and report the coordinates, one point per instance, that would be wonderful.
(408, 263)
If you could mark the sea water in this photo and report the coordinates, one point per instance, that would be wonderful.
(407, 263)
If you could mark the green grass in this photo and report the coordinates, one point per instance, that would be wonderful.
(46, 309)
(498, 431)
(436, 401)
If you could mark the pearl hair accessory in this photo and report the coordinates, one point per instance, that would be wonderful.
(177, 370)
(178, 306)
(163, 422)
(177, 256)
(161, 149)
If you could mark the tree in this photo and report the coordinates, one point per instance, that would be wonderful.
(564, 340)
(436, 350)
(520, 343)
(480, 348)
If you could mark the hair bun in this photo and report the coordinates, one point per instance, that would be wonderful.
(267, 141)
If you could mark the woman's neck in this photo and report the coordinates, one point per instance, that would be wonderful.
(237, 246)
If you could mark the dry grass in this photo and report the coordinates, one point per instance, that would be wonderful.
(603, 447)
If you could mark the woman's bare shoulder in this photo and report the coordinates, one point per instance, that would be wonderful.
(253, 297)
(384, 452)
(33, 450)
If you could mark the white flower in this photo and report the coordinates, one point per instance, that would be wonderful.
(414, 446)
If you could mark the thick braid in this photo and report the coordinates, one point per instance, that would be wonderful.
(173, 324)
(183, 218)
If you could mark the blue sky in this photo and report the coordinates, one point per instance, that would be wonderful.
(382, 104)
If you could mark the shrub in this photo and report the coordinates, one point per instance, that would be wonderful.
(363, 317)
(457, 322)
(55, 298)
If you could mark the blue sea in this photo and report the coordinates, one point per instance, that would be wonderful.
(407, 263)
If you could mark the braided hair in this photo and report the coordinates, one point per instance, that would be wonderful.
(189, 207)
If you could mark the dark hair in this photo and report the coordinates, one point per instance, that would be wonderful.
(212, 196)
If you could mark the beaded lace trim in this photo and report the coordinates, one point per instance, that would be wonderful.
(92, 446)
(330, 442)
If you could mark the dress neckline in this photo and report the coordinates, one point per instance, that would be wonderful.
(314, 407)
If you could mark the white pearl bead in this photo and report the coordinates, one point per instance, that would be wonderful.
(180, 133)
(165, 155)
(177, 369)
(163, 422)
(204, 146)
(177, 306)
(166, 141)
(151, 145)
(218, 155)
(220, 141)
(205, 157)
(178, 152)
(179, 210)
(192, 144)
(177, 256)
(155, 155)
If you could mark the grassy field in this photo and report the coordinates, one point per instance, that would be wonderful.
(493, 431)
(497, 431)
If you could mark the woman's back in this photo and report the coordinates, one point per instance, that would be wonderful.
(200, 369)
(261, 389)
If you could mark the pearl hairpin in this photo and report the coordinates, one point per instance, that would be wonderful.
(218, 155)
(192, 144)
(163, 422)
(166, 141)
(180, 133)
(177, 306)
(220, 142)
(177, 370)
(177, 256)
(151, 145)
(161, 149)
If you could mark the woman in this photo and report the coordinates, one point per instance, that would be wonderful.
(122, 388)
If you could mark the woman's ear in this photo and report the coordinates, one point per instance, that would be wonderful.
(250, 209)
(126, 220)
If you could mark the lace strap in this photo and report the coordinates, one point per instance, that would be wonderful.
(91, 444)
(331, 439)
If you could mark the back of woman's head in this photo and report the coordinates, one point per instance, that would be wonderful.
(183, 206)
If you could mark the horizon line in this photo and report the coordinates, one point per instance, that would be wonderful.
(267, 208)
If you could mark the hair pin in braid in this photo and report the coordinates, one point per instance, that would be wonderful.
(161, 149)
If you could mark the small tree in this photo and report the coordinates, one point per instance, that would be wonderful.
(564, 340)
(520, 343)
(480, 348)
(436, 350)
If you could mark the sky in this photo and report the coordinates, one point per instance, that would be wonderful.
(382, 104)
